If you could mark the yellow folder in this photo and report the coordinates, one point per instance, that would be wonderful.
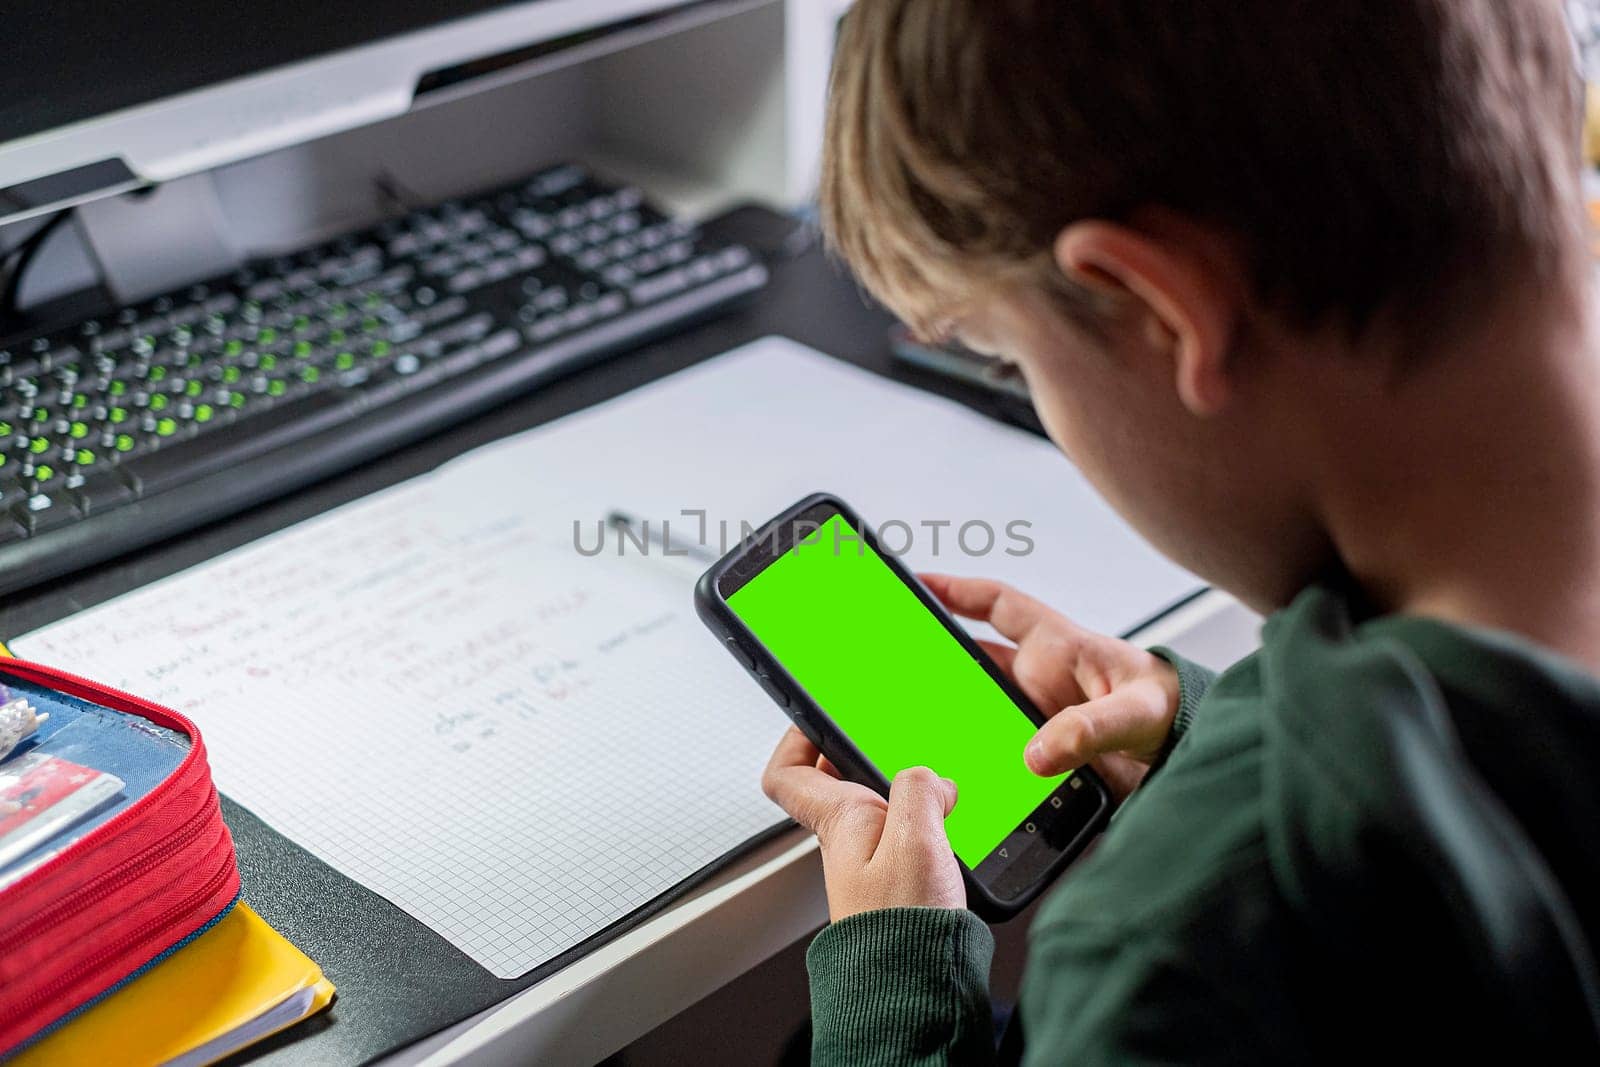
(233, 985)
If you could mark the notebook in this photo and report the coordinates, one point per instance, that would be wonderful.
(447, 693)
(230, 987)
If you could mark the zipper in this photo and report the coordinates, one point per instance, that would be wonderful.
(49, 676)
(104, 883)
(148, 930)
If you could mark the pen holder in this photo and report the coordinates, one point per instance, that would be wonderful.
(112, 846)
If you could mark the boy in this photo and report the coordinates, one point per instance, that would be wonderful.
(1301, 286)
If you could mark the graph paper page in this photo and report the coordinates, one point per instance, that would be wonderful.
(439, 693)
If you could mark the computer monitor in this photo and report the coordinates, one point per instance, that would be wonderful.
(98, 99)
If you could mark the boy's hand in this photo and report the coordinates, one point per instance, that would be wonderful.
(876, 853)
(1111, 704)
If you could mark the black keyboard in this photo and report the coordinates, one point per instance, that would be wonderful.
(125, 429)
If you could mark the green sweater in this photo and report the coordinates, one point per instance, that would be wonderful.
(1339, 847)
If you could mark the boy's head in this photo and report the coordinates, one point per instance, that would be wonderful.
(1191, 222)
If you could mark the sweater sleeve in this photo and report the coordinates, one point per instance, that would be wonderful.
(1193, 682)
(901, 987)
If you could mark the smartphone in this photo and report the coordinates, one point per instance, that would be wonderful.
(873, 670)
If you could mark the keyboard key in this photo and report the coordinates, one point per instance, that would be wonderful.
(101, 491)
(551, 299)
(736, 258)
(661, 286)
(546, 328)
(442, 312)
(704, 269)
(277, 427)
(467, 280)
(42, 512)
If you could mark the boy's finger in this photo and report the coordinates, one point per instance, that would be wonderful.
(1012, 613)
(1123, 721)
(1004, 655)
(787, 779)
(919, 801)
(793, 750)
(813, 799)
(819, 801)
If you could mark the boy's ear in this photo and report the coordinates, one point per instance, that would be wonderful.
(1185, 302)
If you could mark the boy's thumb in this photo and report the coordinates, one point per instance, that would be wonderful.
(1120, 721)
(919, 801)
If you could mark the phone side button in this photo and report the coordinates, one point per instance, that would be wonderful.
(810, 731)
(745, 658)
(774, 689)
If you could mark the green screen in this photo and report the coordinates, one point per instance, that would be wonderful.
(896, 682)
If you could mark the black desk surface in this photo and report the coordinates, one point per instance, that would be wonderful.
(397, 980)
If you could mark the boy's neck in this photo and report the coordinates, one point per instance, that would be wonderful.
(1469, 490)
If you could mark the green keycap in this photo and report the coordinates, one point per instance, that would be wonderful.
(80, 401)
(118, 387)
(302, 350)
(44, 472)
(203, 413)
(158, 374)
(344, 361)
(336, 337)
(158, 402)
(233, 348)
(118, 414)
(231, 375)
(124, 443)
(5, 428)
(309, 375)
(339, 311)
(370, 325)
(374, 300)
(380, 349)
(167, 427)
(302, 324)
(85, 457)
(79, 431)
(3, 459)
(268, 362)
(194, 388)
(276, 387)
(268, 336)
(236, 399)
(38, 445)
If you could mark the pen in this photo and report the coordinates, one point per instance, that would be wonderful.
(642, 532)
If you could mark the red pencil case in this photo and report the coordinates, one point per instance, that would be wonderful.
(142, 864)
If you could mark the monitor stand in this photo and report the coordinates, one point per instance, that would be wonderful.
(159, 239)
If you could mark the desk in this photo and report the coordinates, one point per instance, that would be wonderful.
(746, 915)
(366, 946)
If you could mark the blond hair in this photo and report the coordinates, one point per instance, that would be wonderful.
(1372, 156)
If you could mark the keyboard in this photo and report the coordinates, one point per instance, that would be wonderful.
(124, 429)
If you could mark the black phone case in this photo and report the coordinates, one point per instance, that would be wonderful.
(814, 722)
